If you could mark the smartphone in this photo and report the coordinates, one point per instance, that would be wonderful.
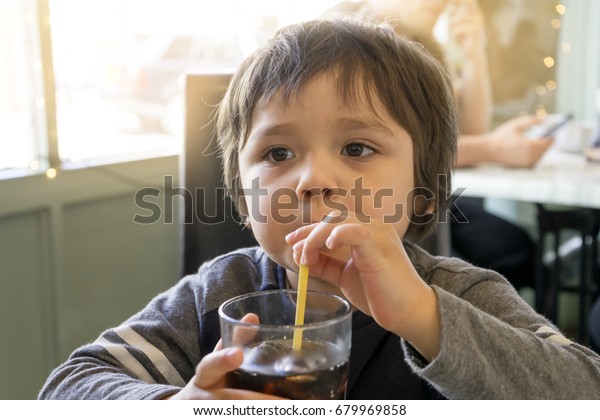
(553, 128)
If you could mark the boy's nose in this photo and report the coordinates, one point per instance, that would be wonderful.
(316, 178)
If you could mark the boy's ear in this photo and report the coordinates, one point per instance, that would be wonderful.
(424, 210)
(239, 200)
(246, 223)
(424, 205)
(431, 208)
(243, 213)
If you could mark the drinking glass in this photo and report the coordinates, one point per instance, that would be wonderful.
(316, 370)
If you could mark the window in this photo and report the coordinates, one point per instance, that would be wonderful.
(21, 93)
(114, 71)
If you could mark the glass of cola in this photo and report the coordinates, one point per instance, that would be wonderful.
(318, 369)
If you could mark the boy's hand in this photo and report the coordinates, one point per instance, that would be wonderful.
(379, 278)
(209, 381)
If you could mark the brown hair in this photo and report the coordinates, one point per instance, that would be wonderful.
(413, 86)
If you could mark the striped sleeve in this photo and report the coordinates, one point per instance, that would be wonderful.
(139, 357)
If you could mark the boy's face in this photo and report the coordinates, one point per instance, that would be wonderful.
(313, 155)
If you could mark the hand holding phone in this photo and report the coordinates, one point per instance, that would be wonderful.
(554, 127)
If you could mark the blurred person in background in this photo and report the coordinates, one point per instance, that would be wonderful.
(477, 236)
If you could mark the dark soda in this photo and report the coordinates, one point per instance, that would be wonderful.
(316, 372)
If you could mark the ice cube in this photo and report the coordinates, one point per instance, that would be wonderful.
(300, 363)
(264, 354)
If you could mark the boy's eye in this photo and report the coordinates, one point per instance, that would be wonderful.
(357, 150)
(279, 154)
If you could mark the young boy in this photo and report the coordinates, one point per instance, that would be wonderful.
(338, 140)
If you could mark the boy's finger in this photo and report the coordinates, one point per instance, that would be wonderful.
(316, 241)
(300, 233)
(250, 318)
(213, 367)
(358, 238)
(244, 334)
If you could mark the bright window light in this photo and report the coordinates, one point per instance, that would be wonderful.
(21, 95)
(120, 65)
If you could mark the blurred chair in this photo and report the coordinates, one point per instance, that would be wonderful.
(210, 223)
(549, 281)
(595, 325)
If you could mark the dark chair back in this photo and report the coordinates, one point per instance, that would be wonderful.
(595, 325)
(210, 223)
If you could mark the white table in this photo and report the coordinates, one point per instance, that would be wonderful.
(558, 178)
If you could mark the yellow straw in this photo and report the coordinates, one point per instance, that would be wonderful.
(300, 306)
